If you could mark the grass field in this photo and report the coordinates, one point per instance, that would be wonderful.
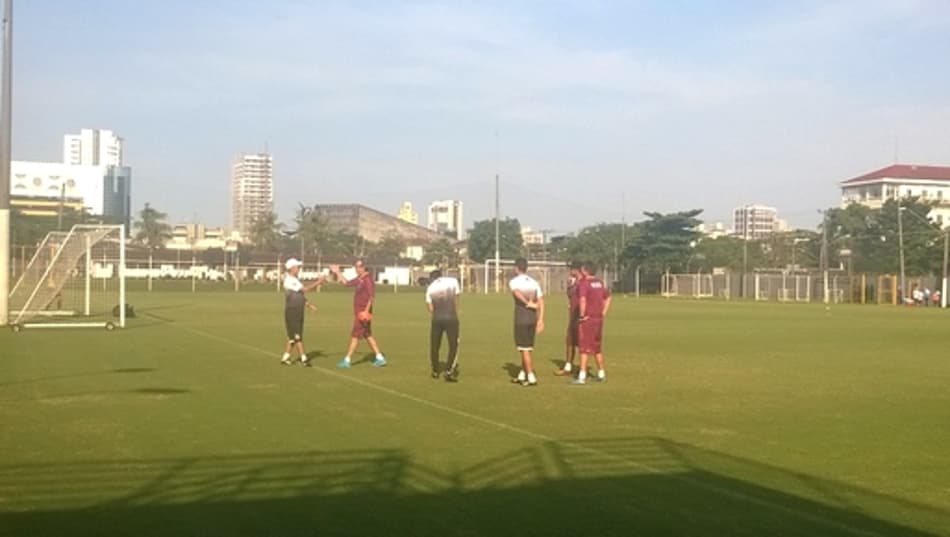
(718, 419)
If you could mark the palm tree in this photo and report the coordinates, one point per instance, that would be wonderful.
(266, 232)
(151, 230)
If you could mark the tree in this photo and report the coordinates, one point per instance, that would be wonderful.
(390, 246)
(265, 233)
(481, 239)
(663, 242)
(151, 230)
(441, 252)
(601, 244)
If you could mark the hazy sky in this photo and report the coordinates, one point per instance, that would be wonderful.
(579, 105)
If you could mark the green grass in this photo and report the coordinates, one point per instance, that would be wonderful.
(718, 419)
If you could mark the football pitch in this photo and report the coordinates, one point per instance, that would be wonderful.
(717, 419)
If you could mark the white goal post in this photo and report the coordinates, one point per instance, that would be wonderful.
(76, 278)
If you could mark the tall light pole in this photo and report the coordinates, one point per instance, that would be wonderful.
(497, 237)
(900, 246)
(946, 257)
(6, 131)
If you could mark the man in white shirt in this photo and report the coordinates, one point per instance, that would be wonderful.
(294, 304)
(529, 319)
(442, 299)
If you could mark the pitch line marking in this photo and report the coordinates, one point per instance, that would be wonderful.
(538, 436)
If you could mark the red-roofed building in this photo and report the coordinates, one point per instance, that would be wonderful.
(929, 183)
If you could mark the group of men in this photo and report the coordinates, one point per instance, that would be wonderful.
(588, 304)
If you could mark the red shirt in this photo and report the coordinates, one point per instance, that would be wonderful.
(365, 291)
(596, 293)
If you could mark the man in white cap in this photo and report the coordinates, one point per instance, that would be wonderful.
(294, 304)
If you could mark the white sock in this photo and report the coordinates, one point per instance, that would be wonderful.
(303, 357)
(521, 376)
(531, 378)
(582, 376)
(568, 367)
(379, 356)
(346, 359)
(286, 356)
(601, 373)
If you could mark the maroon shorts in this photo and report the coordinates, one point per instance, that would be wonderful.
(361, 329)
(590, 336)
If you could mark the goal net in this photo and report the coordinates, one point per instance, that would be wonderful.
(75, 278)
(688, 285)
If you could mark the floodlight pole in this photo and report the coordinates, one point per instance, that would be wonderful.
(946, 257)
(497, 237)
(5, 158)
(900, 246)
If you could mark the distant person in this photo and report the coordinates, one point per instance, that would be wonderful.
(935, 298)
(573, 313)
(363, 297)
(295, 302)
(529, 319)
(594, 304)
(916, 295)
(926, 297)
(442, 299)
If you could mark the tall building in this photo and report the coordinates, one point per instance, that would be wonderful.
(755, 221)
(446, 216)
(93, 147)
(252, 190)
(117, 195)
(929, 183)
(407, 214)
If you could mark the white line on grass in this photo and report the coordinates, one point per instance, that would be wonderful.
(579, 447)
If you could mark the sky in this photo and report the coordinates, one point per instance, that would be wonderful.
(589, 110)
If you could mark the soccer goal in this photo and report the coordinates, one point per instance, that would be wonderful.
(687, 285)
(75, 279)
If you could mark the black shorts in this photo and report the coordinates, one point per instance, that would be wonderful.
(524, 336)
(293, 322)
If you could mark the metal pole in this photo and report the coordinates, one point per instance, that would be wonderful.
(946, 256)
(5, 145)
(900, 245)
(88, 268)
(121, 276)
(497, 237)
(824, 256)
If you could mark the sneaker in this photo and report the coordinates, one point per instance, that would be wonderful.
(452, 375)
(562, 372)
(529, 384)
(517, 381)
(305, 362)
(578, 382)
(343, 364)
(435, 374)
(286, 361)
(379, 362)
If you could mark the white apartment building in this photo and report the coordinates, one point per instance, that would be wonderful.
(54, 180)
(408, 214)
(533, 237)
(252, 190)
(93, 147)
(755, 221)
(446, 216)
(929, 183)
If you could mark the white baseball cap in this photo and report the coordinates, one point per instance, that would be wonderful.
(293, 262)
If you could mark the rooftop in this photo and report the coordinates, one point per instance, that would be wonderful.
(905, 171)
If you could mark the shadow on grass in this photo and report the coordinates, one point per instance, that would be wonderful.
(512, 369)
(622, 487)
(127, 370)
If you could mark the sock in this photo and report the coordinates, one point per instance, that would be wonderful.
(379, 356)
(346, 359)
(303, 357)
(601, 373)
(286, 356)
(521, 376)
(567, 367)
(582, 375)
(531, 378)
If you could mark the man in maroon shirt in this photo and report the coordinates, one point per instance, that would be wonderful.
(363, 297)
(594, 300)
(573, 312)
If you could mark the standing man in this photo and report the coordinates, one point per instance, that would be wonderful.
(529, 319)
(594, 305)
(294, 304)
(573, 313)
(363, 298)
(442, 299)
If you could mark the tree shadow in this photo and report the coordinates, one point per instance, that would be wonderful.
(128, 370)
(610, 487)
